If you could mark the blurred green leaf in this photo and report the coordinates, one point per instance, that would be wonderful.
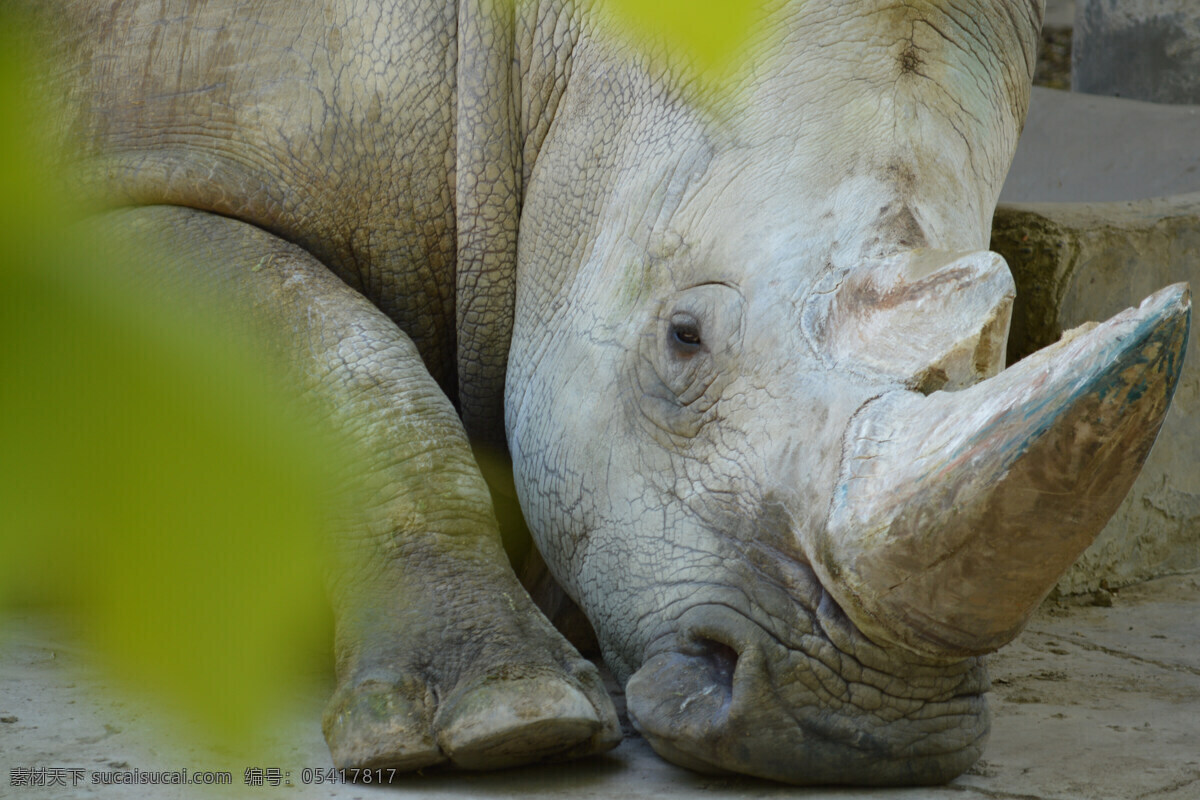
(711, 41)
(158, 481)
(712, 32)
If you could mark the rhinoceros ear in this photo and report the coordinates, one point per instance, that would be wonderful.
(955, 513)
(929, 319)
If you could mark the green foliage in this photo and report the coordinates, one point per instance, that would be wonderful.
(711, 32)
(157, 483)
(713, 40)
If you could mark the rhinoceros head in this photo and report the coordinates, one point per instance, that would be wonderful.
(756, 404)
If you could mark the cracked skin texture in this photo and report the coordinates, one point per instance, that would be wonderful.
(405, 188)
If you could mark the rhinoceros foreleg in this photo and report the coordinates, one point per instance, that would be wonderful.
(441, 655)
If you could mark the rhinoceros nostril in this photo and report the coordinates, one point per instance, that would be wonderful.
(721, 660)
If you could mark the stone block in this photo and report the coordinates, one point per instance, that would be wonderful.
(1087, 148)
(1074, 263)
(1140, 49)
(1059, 14)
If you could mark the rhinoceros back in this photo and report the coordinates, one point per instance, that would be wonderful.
(329, 124)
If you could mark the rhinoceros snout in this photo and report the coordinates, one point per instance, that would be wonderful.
(681, 701)
(689, 699)
(727, 696)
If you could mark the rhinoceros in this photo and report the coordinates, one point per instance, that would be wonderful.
(745, 349)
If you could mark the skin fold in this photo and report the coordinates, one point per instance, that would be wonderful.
(686, 314)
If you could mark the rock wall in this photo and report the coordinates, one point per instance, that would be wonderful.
(1075, 262)
(1140, 49)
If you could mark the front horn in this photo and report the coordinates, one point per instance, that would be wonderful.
(956, 513)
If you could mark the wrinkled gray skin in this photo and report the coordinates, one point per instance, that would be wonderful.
(404, 188)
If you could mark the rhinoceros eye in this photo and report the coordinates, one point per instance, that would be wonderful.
(685, 333)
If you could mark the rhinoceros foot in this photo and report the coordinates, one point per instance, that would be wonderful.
(515, 711)
(499, 723)
(382, 720)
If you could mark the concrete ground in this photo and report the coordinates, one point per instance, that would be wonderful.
(1098, 699)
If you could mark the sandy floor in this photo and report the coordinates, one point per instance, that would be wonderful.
(1092, 701)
